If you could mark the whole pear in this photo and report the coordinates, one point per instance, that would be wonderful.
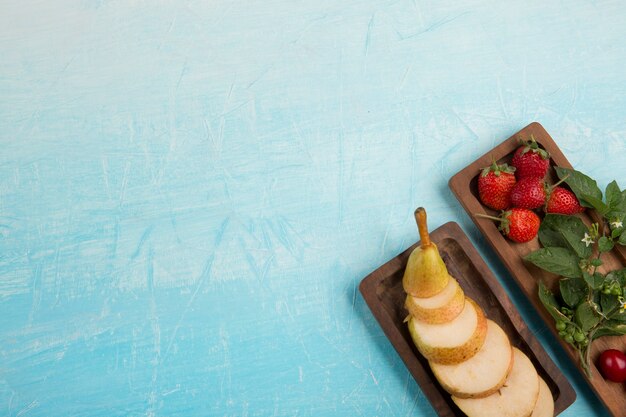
(425, 274)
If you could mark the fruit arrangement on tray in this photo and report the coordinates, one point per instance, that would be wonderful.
(521, 188)
(470, 355)
(590, 302)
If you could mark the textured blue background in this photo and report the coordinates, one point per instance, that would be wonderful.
(190, 192)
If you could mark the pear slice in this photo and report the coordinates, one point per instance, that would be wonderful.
(439, 308)
(482, 374)
(454, 341)
(425, 274)
(545, 403)
(516, 398)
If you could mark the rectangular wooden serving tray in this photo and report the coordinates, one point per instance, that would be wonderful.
(527, 276)
(383, 293)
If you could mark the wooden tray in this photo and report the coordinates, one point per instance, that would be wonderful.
(383, 293)
(527, 276)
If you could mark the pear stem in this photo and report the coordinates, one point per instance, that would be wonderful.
(420, 219)
(485, 216)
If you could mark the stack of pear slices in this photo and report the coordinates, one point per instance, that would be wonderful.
(470, 355)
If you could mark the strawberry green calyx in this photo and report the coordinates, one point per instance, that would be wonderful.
(505, 223)
(497, 169)
(533, 146)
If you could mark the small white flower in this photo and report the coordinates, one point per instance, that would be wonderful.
(622, 303)
(616, 224)
(587, 240)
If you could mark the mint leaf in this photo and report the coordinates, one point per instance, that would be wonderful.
(580, 184)
(596, 203)
(549, 302)
(610, 328)
(559, 261)
(586, 316)
(622, 205)
(562, 231)
(618, 275)
(605, 244)
(573, 290)
(608, 302)
(595, 281)
(619, 315)
(551, 238)
(613, 195)
(615, 215)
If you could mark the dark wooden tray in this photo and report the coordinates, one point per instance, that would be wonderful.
(383, 293)
(527, 276)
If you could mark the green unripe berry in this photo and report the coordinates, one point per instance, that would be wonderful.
(616, 291)
(568, 338)
(562, 333)
(579, 336)
(560, 325)
(606, 290)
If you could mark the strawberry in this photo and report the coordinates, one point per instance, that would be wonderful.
(518, 224)
(563, 201)
(530, 160)
(495, 184)
(529, 193)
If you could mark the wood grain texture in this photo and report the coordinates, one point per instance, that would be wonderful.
(527, 276)
(383, 292)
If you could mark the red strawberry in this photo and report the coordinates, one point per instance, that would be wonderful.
(529, 193)
(518, 224)
(530, 160)
(563, 201)
(495, 184)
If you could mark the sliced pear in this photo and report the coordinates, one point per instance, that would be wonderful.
(516, 398)
(425, 274)
(454, 341)
(545, 403)
(439, 308)
(482, 374)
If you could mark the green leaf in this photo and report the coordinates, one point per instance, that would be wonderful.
(551, 305)
(613, 195)
(622, 239)
(608, 302)
(595, 280)
(580, 184)
(622, 206)
(596, 203)
(610, 328)
(618, 275)
(619, 315)
(551, 238)
(605, 244)
(616, 232)
(596, 262)
(615, 215)
(571, 230)
(559, 261)
(573, 290)
(586, 316)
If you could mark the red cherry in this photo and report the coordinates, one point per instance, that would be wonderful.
(612, 364)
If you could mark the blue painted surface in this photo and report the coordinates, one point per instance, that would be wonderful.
(190, 192)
